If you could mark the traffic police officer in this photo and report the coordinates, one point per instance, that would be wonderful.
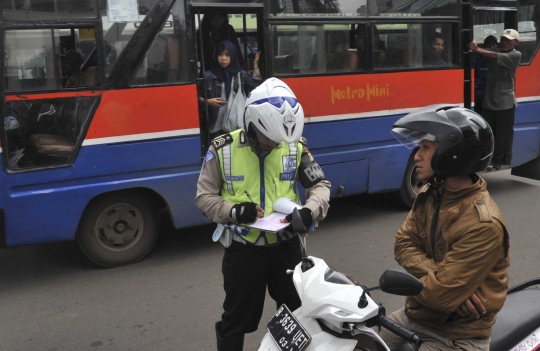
(243, 173)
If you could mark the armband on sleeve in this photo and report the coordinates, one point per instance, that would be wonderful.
(309, 172)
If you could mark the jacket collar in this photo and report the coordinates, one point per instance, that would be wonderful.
(456, 195)
(243, 140)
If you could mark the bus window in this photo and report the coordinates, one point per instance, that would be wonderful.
(365, 8)
(33, 63)
(407, 45)
(116, 35)
(167, 60)
(46, 131)
(306, 49)
(29, 60)
(529, 29)
(32, 10)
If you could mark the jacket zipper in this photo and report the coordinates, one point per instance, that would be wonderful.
(437, 199)
(262, 190)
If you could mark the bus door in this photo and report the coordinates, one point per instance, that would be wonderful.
(492, 20)
(240, 21)
(51, 89)
(481, 19)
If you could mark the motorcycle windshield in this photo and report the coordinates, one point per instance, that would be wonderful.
(336, 277)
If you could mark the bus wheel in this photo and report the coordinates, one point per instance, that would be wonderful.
(118, 229)
(411, 185)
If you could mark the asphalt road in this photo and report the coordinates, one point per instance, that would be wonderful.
(53, 299)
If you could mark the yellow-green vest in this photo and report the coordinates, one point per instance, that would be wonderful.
(265, 178)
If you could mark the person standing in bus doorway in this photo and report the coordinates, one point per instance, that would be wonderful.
(215, 28)
(436, 47)
(220, 79)
(454, 239)
(499, 99)
(243, 173)
(481, 65)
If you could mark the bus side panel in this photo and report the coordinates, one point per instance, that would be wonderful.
(376, 94)
(360, 139)
(139, 111)
(57, 198)
(526, 133)
(526, 79)
(143, 137)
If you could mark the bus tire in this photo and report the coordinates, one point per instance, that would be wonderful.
(410, 185)
(118, 229)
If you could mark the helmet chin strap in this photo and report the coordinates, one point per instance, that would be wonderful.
(252, 136)
(435, 181)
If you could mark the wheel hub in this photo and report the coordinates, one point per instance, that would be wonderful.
(118, 227)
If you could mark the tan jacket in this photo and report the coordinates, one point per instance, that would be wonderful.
(210, 183)
(469, 255)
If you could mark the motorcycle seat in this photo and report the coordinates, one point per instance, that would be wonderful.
(518, 318)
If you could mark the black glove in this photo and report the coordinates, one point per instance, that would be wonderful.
(306, 215)
(246, 212)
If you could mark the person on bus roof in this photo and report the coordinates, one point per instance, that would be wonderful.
(232, 191)
(436, 47)
(454, 239)
(215, 28)
(221, 79)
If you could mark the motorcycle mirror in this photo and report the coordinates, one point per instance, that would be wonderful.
(400, 283)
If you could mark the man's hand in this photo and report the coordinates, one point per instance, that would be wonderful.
(216, 102)
(472, 307)
(246, 212)
(473, 46)
(305, 214)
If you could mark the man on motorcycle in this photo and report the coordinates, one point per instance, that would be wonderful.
(243, 173)
(454, 238)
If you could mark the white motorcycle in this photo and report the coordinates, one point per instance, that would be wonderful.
(336, 311)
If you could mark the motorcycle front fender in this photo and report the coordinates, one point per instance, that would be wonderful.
(320, 340)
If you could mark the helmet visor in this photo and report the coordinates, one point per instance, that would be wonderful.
(411, 138)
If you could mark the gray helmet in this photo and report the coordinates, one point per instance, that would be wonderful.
(465, 138)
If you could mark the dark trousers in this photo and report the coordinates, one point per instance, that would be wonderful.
(247, 271)
(478, 102)
(502, 125)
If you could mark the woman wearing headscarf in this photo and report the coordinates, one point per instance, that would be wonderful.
(221, 79)
(216, 28)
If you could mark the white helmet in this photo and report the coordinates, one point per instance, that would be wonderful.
(274, 110)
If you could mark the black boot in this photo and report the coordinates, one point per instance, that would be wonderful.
(231, 343)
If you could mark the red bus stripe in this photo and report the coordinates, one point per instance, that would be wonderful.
(55, 95)
(145, 110)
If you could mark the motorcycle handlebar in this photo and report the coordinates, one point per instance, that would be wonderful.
(398, 329)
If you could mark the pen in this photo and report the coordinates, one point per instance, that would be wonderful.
(249, 196)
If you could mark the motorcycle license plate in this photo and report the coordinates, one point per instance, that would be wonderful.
(287, 332)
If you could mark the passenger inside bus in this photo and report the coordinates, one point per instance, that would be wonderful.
(215, 28)
(436, 47)
(358, 52)
(357, 55)
(72, 64)
(221, 80)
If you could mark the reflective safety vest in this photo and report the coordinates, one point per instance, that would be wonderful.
(264, 178)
